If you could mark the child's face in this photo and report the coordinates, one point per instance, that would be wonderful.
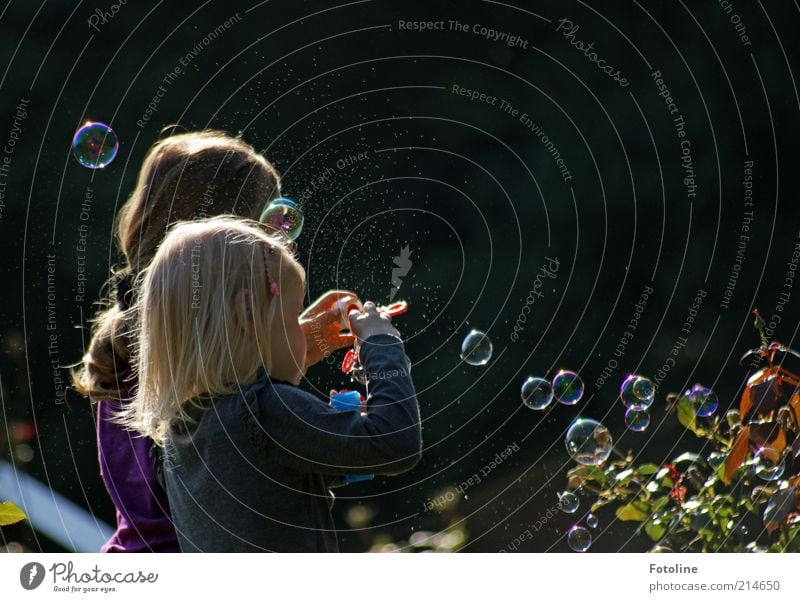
(288, 342)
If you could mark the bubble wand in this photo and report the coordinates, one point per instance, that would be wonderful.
(351, 364)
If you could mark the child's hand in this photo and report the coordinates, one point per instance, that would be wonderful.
(323, 322)
(364, 324)
(340, 301)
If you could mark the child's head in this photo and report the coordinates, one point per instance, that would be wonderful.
(220, 299)
(189, 176)
(183, 177)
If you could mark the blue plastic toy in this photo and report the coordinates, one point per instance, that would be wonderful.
(343, 401)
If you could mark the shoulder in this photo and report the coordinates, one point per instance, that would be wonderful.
(280, 398)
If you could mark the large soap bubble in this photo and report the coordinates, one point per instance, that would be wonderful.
(588, 442)
(95, 145)
(537, 393)
(476, 349)
(283, 215)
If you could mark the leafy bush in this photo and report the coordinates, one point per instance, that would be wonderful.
(742, 496)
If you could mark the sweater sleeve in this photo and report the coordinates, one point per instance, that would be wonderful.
(303, 432)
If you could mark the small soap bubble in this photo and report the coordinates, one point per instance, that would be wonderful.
(591, 521)
(568, 502)
(476, 349)
(579, 538)
(769, 464)
(537, 393)
(643, 388)
(95, 145)
(284, 215)
(704, 400)
(567, 387)
(637, 420)
(637, 392)
(588, 442)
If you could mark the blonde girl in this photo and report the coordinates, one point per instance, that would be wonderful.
(221, 352)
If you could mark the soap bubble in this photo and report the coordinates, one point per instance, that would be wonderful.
(588, 442)
(643, 388)
(591, 521)
(568, 502)
(476, 349)
(704, 400)
(567, 387)
(283, 215)
(637, 420)
(579, 538)
(769, 464)
(95, 145)
(537, 393)
(637, 392)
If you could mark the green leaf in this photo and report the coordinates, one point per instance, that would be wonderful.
(659, 504)
(648, 469)
(655, 529)
(589, 473)
(637, 511)
(624, 476)
(10, 513)
(690, 457)
(686, 414)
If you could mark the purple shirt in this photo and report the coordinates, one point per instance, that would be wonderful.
(128, 469)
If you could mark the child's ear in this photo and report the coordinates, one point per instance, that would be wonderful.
(243, 310)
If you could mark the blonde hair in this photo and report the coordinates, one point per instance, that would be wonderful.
(189, 341)
(183, 177)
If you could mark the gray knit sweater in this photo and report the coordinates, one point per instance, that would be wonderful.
(252, 474)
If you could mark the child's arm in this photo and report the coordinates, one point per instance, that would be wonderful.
(300, 430)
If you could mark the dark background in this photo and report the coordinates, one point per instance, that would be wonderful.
(475, 195)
